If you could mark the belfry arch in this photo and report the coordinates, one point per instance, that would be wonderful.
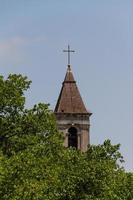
(73, 137)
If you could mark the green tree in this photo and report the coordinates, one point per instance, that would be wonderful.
(29, 142)
(19, 126)
(34, 165)
(95, 175)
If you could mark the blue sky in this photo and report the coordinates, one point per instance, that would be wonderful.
(33, 34)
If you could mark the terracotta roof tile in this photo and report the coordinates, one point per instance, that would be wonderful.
(70, 100)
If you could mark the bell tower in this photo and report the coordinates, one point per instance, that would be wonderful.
(73, 119)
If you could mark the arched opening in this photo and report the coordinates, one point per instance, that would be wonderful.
(72, 137)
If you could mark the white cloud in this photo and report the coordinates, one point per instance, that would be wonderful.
(13, 49)
(13, 43)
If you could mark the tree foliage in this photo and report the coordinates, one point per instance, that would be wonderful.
(34, 165)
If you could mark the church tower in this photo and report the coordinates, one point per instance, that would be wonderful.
(72, 117)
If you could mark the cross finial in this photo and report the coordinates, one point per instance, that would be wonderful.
(68, 51)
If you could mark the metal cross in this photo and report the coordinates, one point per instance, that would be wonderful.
(68, 51)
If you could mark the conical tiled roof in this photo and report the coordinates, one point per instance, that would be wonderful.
(70, 100)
